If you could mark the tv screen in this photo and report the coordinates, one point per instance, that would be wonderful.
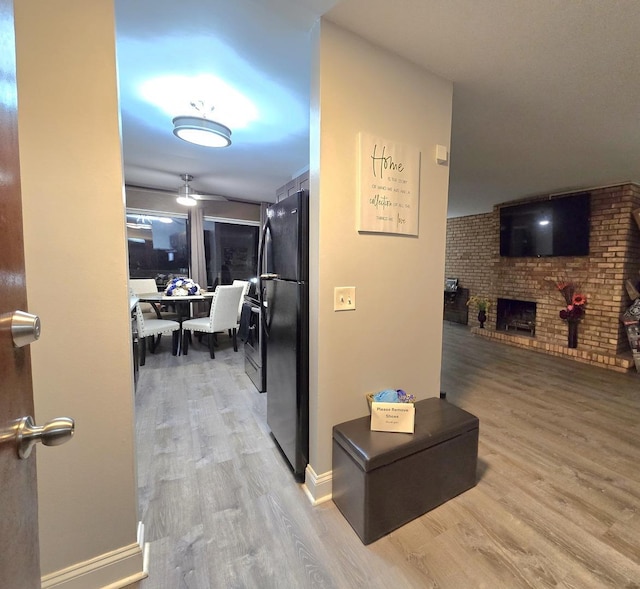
(554, 227)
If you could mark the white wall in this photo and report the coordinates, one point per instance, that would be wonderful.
(76, 275)
(394, 337)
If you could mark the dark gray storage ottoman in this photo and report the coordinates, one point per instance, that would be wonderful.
(382, 480)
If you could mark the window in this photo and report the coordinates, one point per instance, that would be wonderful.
(231, 251)
(158, 248)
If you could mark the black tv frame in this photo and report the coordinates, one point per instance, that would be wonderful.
(567, 233)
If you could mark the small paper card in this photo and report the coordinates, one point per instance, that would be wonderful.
(393, 417)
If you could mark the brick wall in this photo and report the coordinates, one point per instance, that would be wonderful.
(472, 256)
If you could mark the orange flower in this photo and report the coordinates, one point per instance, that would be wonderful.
(579, 299)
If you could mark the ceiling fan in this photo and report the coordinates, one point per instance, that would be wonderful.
(188, 197)
(186, 191)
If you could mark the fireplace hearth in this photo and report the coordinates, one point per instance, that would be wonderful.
(515, 315)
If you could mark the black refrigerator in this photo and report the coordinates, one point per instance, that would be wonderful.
(284, 289)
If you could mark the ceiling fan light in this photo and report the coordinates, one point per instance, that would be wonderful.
(187, 201)
(186, 194)
(201, 131)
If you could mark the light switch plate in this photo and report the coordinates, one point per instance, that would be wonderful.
(344, 298)
(442, 156)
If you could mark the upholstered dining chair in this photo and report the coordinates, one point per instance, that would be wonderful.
(223, 316)
(145, 286)
(245, 284)
(148, 329)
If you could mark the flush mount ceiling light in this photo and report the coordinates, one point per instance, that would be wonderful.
(200, 130)
(186, 194)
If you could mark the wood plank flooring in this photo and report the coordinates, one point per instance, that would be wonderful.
(557, 502)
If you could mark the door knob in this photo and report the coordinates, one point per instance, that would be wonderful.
(53, 433)
(25, 328)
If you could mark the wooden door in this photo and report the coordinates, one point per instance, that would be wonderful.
(19, 553)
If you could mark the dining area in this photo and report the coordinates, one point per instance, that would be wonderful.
(185, 312)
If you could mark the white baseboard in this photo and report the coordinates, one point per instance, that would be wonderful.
(317, 487)
(112, 570)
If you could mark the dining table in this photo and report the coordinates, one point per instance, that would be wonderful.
(182, 303)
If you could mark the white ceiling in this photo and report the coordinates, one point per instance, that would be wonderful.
(546, 93)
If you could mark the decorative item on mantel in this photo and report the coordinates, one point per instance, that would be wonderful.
(482, 304)
(574, 310)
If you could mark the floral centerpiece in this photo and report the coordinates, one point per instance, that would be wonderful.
(181, 286)
(574, 308)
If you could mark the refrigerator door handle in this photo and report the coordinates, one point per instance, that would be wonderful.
(261, 263)
(263, 276)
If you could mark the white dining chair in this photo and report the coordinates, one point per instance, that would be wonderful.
(148, 329)
(245, 284)
(145, 286)
(223, 316)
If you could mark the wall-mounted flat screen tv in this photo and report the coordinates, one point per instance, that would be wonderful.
(554, 227)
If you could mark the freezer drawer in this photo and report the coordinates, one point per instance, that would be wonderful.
(287, 371)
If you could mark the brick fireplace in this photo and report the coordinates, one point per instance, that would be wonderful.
(472, 255)
(516, 316)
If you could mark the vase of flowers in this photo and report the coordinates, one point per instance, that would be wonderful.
(574, 310)
(482, 304)
(572, 333)
(181, 287)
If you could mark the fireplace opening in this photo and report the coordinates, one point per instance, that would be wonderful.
(514, 315)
